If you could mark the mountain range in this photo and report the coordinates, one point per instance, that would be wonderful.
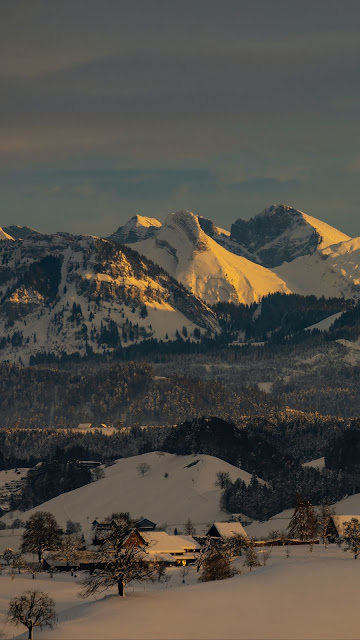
(66, 294)
(281, 249)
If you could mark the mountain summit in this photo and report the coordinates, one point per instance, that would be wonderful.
(136, 229)
(212, 273)
(280, 234)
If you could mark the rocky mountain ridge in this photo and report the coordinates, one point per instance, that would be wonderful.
(65, 294)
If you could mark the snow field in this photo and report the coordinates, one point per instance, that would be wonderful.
(292, 597)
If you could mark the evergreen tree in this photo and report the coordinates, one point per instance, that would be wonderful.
(323, 517)
(217, 567)
(303, 524)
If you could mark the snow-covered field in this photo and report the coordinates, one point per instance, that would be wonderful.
(187, 491)
(306, 595)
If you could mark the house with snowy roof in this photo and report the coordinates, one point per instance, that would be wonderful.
(227, 530)
(336, 526)
(162, 547)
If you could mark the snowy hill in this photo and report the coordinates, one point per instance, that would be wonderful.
(280, 234)
(331, 271)
(188, 491)
(4, 235)
(211, 272)
(80, 294)
(136, 229)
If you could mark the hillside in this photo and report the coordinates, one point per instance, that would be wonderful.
(64, 294)
(211, 272)
(331, 271)
(188, 491)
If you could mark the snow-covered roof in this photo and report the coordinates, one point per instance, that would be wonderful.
(161, 542)
(229, 529)
(339, 522)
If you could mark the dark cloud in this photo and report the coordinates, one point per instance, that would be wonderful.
(253, 95)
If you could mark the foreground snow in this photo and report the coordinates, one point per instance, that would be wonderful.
(290, 598)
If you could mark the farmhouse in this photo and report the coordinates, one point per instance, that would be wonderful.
(162, 547)
(227, 530)
(335, 528)
(172, 550)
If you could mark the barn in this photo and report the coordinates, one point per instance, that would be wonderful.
(227, 530)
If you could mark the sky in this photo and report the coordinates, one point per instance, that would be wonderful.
(111, 108)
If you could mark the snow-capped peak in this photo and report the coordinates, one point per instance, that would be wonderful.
(214, 274)
(281, 233)
(137, 228)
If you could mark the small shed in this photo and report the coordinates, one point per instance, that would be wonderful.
(227, 530)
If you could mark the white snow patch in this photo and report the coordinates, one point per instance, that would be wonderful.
(324, 325)
(319, 463)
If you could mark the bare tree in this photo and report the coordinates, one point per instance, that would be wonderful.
(265, 556)
(324, 515)
(189, 528)
(160, 571)
(69, 550)
(9, 555)
(206, 550)
(121, 560)
(234, 545)
(143, 468)
(19, 563)
(41, 534)
(184, 572)
(251, 557)
(32, 609)
(33, 568)
(352, 536)
(222, 479)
